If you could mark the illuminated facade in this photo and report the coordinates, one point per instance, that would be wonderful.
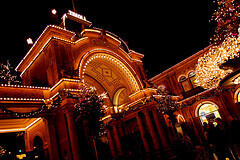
(61, 58)
(200, 105)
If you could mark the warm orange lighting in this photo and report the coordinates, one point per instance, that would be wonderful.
(21, 156)
(20, 129)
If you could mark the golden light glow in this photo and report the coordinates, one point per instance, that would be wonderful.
(238, 97)
(21, 156)
(20, 129)
(208, 110)
(237, 80)
(122, 67)
(208, 73)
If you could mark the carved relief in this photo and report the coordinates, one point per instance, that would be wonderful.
(102, 43)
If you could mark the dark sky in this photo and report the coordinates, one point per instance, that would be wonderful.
(166, 32)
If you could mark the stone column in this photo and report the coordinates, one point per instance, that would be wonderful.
(143, 134)
(151, 130)
(73, 134)
(117, 140)
(110, 141)
(160, 129)
(49, 122)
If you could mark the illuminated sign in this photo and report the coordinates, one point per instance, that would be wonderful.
(75, 17)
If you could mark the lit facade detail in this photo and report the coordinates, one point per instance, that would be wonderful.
(59, 62)
(209, 73)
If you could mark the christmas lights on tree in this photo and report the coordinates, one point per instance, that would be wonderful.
(227, 17)
(208, 71)
(167, 103)
(226, 45)
(89, 107)
(6, 74)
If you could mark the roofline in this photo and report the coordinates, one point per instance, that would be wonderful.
(180, 63)
(36, 42)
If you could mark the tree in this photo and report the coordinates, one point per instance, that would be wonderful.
(7, 75)
(225, 45)
(89, 107)
(167, 104)
(227, 17)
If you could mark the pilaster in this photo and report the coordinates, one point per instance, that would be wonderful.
(49, 122)
(72, 133)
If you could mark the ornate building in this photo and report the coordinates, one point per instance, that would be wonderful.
(62, 57)
(199, 105)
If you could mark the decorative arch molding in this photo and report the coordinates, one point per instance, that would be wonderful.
(180, 118)
(39, 134)
(236, 95)
(118, 99)
(115, 60)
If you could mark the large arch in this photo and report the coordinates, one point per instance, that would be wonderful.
(101, 66)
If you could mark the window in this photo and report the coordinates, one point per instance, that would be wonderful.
(238, 97)
(188, 83)
(192, 78)
(207, 111)
(185, 84)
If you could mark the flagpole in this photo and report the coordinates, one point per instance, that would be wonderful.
(73, 6)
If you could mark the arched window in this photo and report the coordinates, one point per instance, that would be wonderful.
(37, 142)
(38, 147)
(180, 119)
(184, 82)
(120, 97)
(238, 97)
(208, 111)
(192, 78)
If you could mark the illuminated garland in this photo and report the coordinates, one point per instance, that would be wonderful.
(48, 104)
(208, 71)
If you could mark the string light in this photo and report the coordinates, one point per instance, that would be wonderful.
(237, 80)
(208, 71)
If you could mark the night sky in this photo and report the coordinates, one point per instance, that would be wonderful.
(166, 32)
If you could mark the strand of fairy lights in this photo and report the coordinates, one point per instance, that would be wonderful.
(208, 71)
(119, 64)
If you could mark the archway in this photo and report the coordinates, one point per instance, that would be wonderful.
(207, 111)
(38, 152)
(113, 74)
(237, 96)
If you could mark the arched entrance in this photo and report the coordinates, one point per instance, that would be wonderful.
(38, 152)
(110, 73)
(206, 111)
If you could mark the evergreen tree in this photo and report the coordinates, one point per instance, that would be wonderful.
(227, 17)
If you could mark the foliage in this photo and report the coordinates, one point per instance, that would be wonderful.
(7, 75)
(225, 45)
(89, 107)
(167, 104)
(227, 17)
(2, 151)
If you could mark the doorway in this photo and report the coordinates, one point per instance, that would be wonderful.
(208, 111)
